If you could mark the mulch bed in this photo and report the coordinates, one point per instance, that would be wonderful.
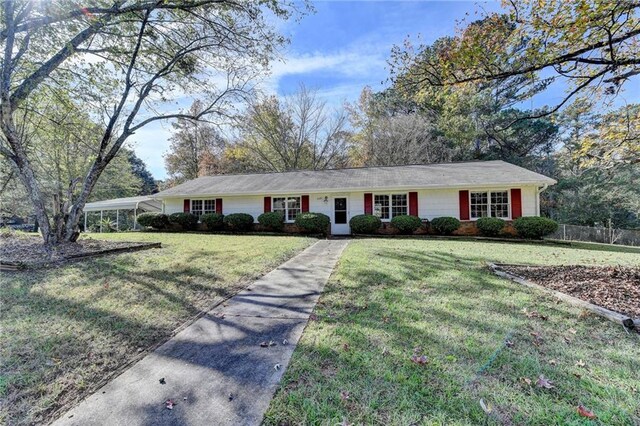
(613, 287)
(29, 251)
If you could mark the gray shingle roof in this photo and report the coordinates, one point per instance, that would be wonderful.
(468, 174)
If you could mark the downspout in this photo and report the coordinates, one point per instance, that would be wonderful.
(538, 191)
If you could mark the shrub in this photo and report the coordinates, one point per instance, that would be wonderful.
(406, 224)
(212, 221)
(153, 220)
(490, 226)
(187, 221)
(238, 221)
(313, 222)
(272, 220)
(534, 227)
(365, 224)
(445, 225)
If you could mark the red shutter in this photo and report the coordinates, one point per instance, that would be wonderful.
(464, 205)
(516, 203)
(186, 206)
(368, 203)
(413, 203)
(219, 205)
(267, 204)
(305, 203)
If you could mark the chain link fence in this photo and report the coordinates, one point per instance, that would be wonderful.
(606, 235)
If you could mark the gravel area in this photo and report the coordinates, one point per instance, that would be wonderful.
(615, 287)
(29, 250)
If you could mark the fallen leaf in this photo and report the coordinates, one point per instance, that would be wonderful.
(277, 367)
(485, 407)
(508, 343)
(580, 363)
(572, 331)
(586, 413)
(420, 360)
(526, 380)
(169, 404)
(344, 395)
(162, 381)
(285, 342)
(345, 347)
(264, 344)
(313, 317)
(544, 383)
(230, 397)
(552, 361)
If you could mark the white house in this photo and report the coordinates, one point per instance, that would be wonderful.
(467, 191)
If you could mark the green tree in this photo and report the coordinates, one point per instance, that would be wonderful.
(122, 62)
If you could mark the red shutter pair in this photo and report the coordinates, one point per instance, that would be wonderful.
(304, 202)
(413, 203)
(516, 204)
(186, 205)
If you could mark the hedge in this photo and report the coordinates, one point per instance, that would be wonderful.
(534, 227)
(272, 220)
(212, 221)
(313, 222)
(406, 224)
(445, 225)
(490, 226)
(238, 221)
(153, 220)
(365, 224)
(186, 221)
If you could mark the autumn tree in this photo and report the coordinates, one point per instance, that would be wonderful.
(196, 148)
(292, 133)
(122, 62)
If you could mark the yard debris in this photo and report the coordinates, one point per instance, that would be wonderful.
(580, 363)
(230, 397)
(277, 367)
(585, 412)
(526, 380)
(344, 395)
(169, 404)
(534, 314)
(285, 342)
(420, 360)
(613, 287)
(162, 381)
(485, 407)
(313, 317)
(266, 344)
(572, 331)
(544, 383)
(553, 362)
(346, 347)
(508, 343)
(537, 338)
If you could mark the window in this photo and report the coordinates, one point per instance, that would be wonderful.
(288, 206)
(200, 207)
(387, 206)
(493, 204)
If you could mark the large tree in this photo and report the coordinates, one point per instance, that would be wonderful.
(594, 45)
(124, 63)
(293, 133)
(196, 148)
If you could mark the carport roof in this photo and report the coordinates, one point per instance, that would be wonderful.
(146, 202)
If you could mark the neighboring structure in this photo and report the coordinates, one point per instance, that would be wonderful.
(121, 212)
(467, 191)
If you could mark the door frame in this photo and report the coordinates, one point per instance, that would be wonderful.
(333, 216)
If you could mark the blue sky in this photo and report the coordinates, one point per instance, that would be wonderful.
(340, 49)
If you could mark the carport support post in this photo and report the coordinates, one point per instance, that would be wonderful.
(117, 220)
(135, 217)
(85, 221)
(101, 221)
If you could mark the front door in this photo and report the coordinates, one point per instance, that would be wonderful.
(340, 222)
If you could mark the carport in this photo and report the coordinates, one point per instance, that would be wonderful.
(126, 211)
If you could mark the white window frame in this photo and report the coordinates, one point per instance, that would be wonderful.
(286, 206)
(390, 195)
(203, 211)
(488, 192)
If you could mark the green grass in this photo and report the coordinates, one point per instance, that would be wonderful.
(63, 330)
(389, 297)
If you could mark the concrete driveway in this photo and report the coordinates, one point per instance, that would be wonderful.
(216, 370)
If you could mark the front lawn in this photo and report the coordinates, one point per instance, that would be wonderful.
(420, 332)
(66, 329)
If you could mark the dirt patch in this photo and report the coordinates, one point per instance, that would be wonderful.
(614, 287)
(28, 250)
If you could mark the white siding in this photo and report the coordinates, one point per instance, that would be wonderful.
(431, 203)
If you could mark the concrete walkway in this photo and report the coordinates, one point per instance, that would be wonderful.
(215, 370)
